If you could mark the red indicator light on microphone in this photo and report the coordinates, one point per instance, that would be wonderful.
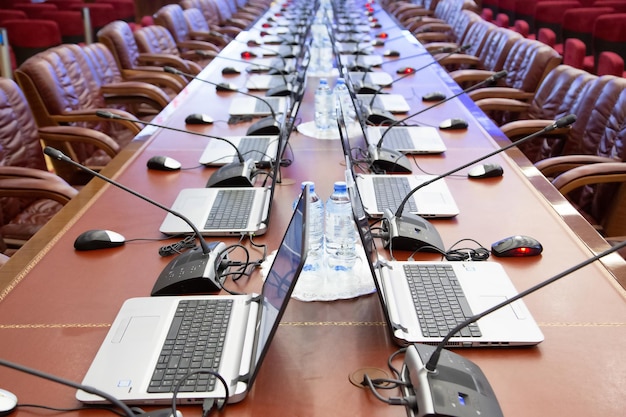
(247, 55)
(382, 35)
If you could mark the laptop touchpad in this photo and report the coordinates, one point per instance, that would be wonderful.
(136, 329)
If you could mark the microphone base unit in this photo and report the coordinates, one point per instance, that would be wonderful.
(279, 91)
(384, 160)
(236, 174)
(379, 117)
(193, 272)
(267, 126)
(457, 388)
(410, 232)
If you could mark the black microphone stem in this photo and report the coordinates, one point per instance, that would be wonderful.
(173, 70)
(109, 115)
(91, 390)
(56, 154)
(488, 80)
(434, 358)
(562, 122)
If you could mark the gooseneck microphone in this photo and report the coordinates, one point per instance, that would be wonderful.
(421, 373)
(235, 174)
(411, 232)
(489, 80)
(265, 126)
(192, 272)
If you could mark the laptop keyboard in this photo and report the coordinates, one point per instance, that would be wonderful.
(231, 209)
(253, 147)
(398, 139)
(261, 107)
(439, 300)
(390, 191)
(194, 342)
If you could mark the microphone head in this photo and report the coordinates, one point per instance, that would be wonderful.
(565, 121)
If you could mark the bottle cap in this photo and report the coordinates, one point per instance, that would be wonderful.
(340, 186)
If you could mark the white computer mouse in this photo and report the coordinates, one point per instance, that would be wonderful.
(8, 402)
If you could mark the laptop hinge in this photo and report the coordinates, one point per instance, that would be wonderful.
(254, 299)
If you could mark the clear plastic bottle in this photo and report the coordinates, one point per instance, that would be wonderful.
(324, 105)
(342, 97)
(326, 56)
(315, 255)
(340, 233)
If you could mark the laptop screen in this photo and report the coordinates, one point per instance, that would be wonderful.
(281, 280)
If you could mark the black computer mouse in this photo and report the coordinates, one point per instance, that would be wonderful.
(454, 123)
(485, 171)
(230, 70)
(391, 53)
(163, 163)
(378, 42)
(405, 70)
(434, 96)
(98, 239)
(516, 245)
(225, 87)
(198, 119)
(8, 402)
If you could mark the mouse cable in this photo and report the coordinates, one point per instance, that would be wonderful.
(178, 247)
(467, 254)
(414, 157)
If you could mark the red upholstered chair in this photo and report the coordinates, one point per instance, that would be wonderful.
(578, 23)
(609, 34)
(548, 37)
(30, 36)
(34, 10)
(64, 4)
(610, 63)
(550, 14)
(618, 5)
(71, 24)
(574, 53)
(124, 9)
(9, 14)
(100, 14)
(507, 7)
(486, 13)
(502, 20)
(521, 27)
(29, 195)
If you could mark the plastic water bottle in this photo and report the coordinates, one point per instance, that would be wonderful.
(324, 105)
(342, 98)
(340, 233)
(326, 56)
(315, 255)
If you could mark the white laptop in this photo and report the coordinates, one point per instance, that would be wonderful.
(250, 106)
(393, 103)
(130, 364)
(379, 78)
(258, 148)
(221, 211)
(266, 81)
(407, 139)
(482, 284)
(381, 192)
(361, 61)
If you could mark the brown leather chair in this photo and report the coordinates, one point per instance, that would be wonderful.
(173, 18)
(225, 15)
(119, 38)
(199, 28)
(64, 86)
(156, 42)
(453, 38)
(211, 15)
(29, 194)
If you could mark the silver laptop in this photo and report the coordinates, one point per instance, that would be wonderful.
(258, 148)
(265, 81)
(419, 310)
(393, 103)
(379, 78)
(407, 139)
(250, 106)
(132, 362)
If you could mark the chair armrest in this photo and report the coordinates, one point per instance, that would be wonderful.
(194, 44)
(433, 27)
(598, 173)
(156, 76)
(466, 77)
(89, 115)
(241, 24)
(552, 167)
(429, 37)
(54, 135)
(135, 91)
(503, 104)
(228, 30)
(214, 38)
(24, 182)
(502, 92)
(160, 60)
(458, 60)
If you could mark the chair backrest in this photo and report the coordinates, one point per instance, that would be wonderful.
(578, 23)
(120, 39)
(610, 63)
(156, 39)
(550, 15)
(209, 10)
(527, 63)
(171, 17)
(497, 47)
(195, 20)
(71, 24)
(34, 10)
(28, 37)
(609, 34)
(10, 14)
(101, 59)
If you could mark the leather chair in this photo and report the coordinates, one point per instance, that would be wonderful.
(225, 15)
(211, 14)
(120, 39)
(157, 42)
(173, 19)
(199, 28)
(28, 37)
(457, 36)
(29, 195)
(65, 87)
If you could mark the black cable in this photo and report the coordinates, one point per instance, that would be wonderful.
(220, 403)
(178, 247)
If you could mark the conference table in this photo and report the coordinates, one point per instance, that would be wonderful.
(57, 304)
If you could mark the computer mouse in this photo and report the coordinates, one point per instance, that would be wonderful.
(451, 124)
(163, 163)
(378, 42)
(248, 55)
(230, 71)
(98, 239)
(225, 87)
(405, 70)
(485, 171)
(434, 96)
(198, 119)
(517, 245)
(8, 402)
(391, 53)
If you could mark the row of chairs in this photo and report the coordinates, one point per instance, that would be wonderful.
(585, 162)
(53, 101)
